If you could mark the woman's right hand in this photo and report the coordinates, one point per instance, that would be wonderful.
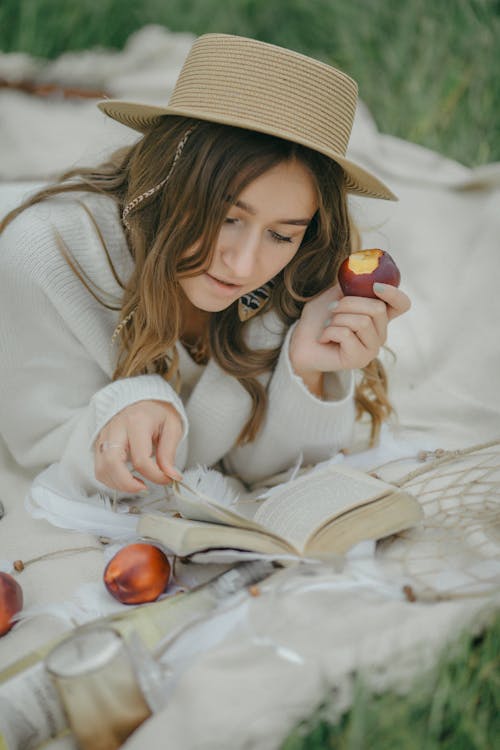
(145, 434)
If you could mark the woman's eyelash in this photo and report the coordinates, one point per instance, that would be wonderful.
(275, 236)
(280, 238)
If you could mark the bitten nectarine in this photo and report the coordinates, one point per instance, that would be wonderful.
(11, 601)
(362, 269)
(138, 573)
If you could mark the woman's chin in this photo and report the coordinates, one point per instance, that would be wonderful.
(211, 295)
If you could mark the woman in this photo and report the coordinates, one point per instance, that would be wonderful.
(179, 304)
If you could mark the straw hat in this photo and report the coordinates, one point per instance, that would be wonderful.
(250, 84)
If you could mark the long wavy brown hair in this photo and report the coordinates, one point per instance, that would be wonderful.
(216, 165)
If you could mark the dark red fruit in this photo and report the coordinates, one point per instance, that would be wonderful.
(138, 573)
(11, 601)
(359, 272)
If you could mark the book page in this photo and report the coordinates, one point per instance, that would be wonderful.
(195, 505)
(301, 507)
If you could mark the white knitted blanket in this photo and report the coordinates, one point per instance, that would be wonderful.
(284, 651)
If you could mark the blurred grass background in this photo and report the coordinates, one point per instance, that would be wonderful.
(455, 707)
(429, 71)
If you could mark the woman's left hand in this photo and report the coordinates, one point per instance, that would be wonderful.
(343, 333)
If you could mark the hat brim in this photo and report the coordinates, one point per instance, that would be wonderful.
(142, 117)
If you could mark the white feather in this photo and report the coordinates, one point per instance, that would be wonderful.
(393, 444)
(93, 600)
(66, 611)
(359, 572)
(89, 602)
(93, 514)
(213, 484)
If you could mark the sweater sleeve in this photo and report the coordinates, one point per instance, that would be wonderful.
(298, 425)
(57, 392)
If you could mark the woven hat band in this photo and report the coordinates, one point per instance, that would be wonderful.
(267, 88)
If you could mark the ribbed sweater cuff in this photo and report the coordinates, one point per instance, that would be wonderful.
(121, 393)
(314, 415)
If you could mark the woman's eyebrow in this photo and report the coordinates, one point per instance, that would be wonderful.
(250, 210)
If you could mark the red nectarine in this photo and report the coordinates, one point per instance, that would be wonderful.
(362, 269)
(138, 573)
(11, 601)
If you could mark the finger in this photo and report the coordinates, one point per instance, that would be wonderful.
(330, 295)
(110, 439)
(121, 478)
(143, 459)
(374, 308)
(114, 472)
(334, 294)
(364, 326)
(166, 447)
(111, 457)
(397, 301)
(352, 353)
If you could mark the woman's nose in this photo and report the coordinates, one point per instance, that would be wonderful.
(240, 254)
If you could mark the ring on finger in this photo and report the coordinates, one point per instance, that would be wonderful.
(106, 446)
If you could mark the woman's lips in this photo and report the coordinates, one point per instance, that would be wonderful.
(223, 286)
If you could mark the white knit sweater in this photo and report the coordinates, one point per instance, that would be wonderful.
(57, 360)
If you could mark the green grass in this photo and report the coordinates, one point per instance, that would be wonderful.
(456, 707)
(428, 69)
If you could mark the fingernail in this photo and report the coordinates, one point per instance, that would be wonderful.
(379, 287)
(176, 474)
(332, 306)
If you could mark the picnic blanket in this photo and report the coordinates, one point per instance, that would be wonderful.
(284, 651)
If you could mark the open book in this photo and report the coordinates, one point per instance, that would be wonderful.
(323, 512)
